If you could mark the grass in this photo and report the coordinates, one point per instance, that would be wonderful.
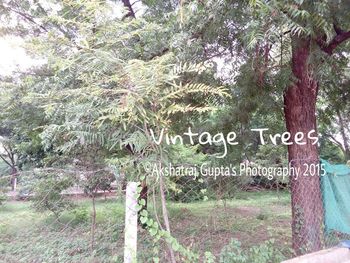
(252, 218)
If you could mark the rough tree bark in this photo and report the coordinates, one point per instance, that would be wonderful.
(300, 115)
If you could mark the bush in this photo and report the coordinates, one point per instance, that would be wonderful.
(185, 189)
(3, 198)
(81, 215)
(48, 194)
(263, 253)
(4, 183)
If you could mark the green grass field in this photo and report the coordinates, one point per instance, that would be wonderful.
(29, 236)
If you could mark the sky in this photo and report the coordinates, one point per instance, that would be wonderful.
(12, 55)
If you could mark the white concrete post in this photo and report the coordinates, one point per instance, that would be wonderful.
(130, 247)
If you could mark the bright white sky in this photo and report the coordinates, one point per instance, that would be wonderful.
(12, 55)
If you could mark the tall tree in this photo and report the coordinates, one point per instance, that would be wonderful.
(285, 47)
(300, 114)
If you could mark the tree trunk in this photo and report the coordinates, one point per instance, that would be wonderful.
(14, 178)
(300, 114)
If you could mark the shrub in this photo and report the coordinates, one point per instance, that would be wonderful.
(48, 194)
(185, 189)
(81, 214)
(3, 184)
(3, 198)
(263, 253)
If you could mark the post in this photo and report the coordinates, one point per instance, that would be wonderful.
(130, 247)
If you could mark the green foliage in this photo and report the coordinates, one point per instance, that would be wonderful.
(330, 151)
(48, 194)
(158, 233)
(92, 182)
(39, 237)
(81, 214)
(152, 226)
(4, 185)
(20, 119)
(209, 257)
(4, 169)
(36, 236)
(264, 253)
(185, 187)
(3, 198)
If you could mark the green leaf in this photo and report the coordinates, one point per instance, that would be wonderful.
(144, 213)
(142, 202)
(153, 231)
(143, 219)
(150, 222)
(175, 246)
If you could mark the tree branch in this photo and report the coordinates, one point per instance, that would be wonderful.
(337, 29)
(136, 2)
(131, 12)
(65, 33)
(1, 157)
(334, 140)
(340, 37)
(27, 17)
(9, 154)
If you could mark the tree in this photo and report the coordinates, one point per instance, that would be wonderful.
(300, 114)
(292, 41)
(315, 33)
(109, 84)
(92, 182)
